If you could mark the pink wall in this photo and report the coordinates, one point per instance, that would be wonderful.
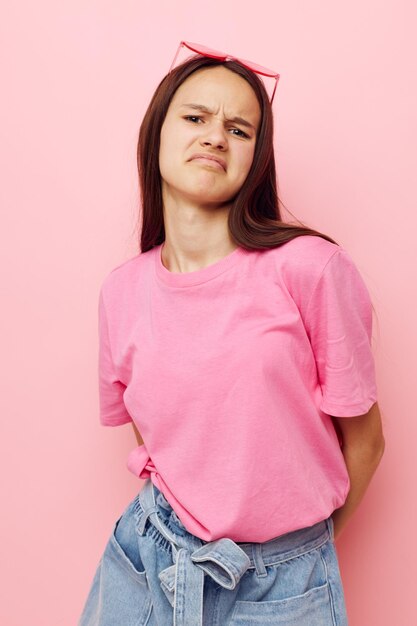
(76, 79)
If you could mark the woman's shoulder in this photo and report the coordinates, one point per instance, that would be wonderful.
(304, 256)
(311, 264)
(126, 274)
(308, 260)
(309, 247)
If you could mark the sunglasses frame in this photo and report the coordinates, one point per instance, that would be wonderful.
(224, 56)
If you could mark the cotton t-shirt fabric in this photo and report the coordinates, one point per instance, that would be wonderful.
(231, 374)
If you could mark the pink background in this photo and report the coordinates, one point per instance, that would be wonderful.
(76, 79)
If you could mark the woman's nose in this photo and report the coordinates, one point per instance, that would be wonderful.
(215, 135)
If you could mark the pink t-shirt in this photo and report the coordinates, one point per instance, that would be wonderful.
(231, 374)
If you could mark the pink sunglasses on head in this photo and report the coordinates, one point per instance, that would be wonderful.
(223, 56)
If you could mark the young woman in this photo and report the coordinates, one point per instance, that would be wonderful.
(239, 348)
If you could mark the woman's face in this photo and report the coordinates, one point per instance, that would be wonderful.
(188, 130)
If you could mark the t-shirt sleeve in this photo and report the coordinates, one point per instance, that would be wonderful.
(339, 325)
(112, 410)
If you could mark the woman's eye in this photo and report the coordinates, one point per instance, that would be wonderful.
(241, 131)
(197, 117)
(193, 117)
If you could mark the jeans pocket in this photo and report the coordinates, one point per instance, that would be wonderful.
(119, 593)
(294, 591)
(124, 545)
(311, 608)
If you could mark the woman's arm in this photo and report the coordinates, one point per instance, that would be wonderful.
(137, 434)
(363, 447)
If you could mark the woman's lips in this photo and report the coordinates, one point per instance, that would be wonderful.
(207, 161)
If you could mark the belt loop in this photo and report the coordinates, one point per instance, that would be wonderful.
(144, 518)
(330, 527)
(258, 560)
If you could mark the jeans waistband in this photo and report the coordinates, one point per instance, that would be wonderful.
(223, 559)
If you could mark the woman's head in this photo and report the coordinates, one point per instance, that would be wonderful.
(214, 112)
(170, 134)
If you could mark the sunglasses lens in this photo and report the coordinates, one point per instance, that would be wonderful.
(258, 68)
(196, 47)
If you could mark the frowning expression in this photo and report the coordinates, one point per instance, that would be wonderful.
(208, 136)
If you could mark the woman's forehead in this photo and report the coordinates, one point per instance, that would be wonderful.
(216, 88)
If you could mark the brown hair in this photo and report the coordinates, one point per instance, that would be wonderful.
(254, 218)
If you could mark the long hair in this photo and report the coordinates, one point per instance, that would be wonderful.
(254, 218)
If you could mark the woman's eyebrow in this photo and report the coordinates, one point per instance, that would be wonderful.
(202, 107)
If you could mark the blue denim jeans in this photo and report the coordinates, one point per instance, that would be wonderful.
(153, 572)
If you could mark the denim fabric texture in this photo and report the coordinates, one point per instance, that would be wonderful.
(153, 572)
